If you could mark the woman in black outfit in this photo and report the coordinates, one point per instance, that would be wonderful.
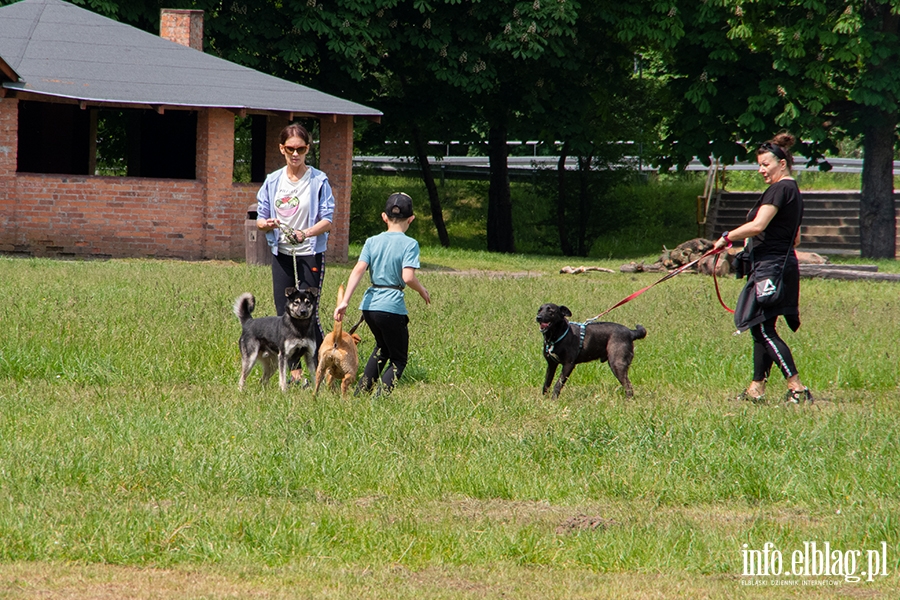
(773, 229)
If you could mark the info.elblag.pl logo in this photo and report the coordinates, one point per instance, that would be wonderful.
(815, 560)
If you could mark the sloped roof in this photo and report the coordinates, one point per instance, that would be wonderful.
(57, 49)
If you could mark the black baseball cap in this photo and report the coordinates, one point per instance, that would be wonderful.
(399, 206)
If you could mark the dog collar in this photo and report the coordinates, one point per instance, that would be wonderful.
(548, 348)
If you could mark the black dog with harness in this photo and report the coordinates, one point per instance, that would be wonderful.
(569, 344)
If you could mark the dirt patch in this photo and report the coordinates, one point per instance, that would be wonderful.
(369, 501)
(441, 579)
(107, 582)
(517, 512)
(583, 523)
(484, 274)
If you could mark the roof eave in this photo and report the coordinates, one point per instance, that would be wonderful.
(12, 90)
(8, 71)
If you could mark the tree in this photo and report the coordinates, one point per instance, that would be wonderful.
(529, 68)
(427, 115)
(826, 70)
(487, 53)
(601, 101)
(482, 54)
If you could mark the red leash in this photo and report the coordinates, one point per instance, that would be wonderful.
(716, 282)
(677, 271)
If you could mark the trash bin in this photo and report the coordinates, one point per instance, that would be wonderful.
(257, 249)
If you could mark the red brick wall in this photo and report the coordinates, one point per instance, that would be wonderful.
(107, 216)
(88, 216)
(274, 157)
(71, 215)
(335, 158)
(9, 142)
(224, 211)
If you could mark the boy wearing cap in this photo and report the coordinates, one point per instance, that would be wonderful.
(391, 257)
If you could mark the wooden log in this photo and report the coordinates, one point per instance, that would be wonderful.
(810, 258)
(705, 266)
(847, 274)
(576, 270)
(634, 267)
(833, 267)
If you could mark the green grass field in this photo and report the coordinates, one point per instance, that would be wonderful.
(131, 466)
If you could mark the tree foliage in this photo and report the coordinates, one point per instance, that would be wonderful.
(825, 69)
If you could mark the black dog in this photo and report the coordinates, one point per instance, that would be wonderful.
(569, 344)
(273, 340)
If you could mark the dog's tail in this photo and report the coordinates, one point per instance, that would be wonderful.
(638, 333)
(339, 325)
(243, 307)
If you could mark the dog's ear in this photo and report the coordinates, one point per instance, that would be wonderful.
(564, 311)
(313, 291)
(289, 291)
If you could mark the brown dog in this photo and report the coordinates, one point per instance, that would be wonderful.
(338, 358)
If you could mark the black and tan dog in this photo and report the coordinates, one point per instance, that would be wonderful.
(272, 341)
(569, 344)
(338, 357)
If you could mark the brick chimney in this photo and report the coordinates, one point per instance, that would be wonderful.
(183, 27)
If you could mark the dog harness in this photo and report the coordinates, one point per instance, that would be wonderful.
(548, 348)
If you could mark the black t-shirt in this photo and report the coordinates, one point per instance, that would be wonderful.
(778, 236)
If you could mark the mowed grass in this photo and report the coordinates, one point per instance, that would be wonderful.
(131, 466)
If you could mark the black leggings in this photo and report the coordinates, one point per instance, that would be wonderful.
(310, 273)
(391, 343)
(769, 349)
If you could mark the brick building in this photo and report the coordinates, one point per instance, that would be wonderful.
(66, 72)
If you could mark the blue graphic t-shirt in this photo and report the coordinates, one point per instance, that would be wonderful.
(387, 254)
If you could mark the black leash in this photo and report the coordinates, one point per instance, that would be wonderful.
(358, 323)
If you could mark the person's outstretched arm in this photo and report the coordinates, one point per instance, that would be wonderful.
(352, 283)
(410, 279)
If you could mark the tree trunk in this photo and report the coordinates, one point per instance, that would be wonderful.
(434, 200)
(499, 220)
(877, 211)
(564, 243)
(584, 173)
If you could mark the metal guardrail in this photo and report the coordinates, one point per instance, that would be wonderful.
(531, 163)
(838, 165)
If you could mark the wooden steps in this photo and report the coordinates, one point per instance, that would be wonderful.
(830, 219)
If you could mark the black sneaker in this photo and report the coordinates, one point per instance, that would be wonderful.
(799, 396)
